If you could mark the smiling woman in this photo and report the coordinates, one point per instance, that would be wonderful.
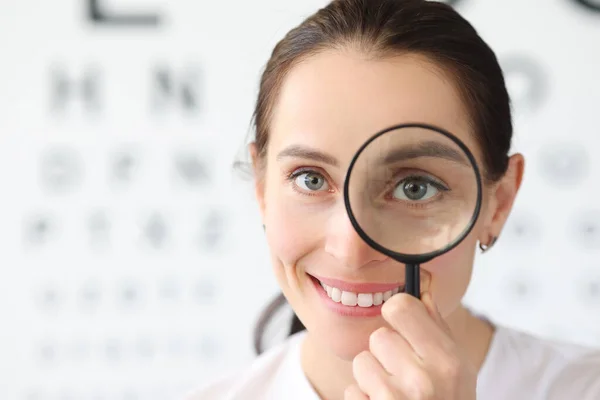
(352, 69)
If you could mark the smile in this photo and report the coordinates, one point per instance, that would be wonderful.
(353, 299)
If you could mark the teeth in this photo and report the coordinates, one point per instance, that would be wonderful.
(377, 299)
(336, 295)
(352, 299)
(365, 299)
(349, 298)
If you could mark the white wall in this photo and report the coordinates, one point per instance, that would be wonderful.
(88, 307)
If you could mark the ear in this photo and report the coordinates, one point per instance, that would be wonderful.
(258, 172)
(503, 198)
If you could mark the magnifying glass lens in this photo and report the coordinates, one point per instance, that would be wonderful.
(413, 191)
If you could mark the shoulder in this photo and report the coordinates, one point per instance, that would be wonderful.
(577, 374)
(256, 381)
(526, 366)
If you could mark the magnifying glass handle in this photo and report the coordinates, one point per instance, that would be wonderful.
(413, 280)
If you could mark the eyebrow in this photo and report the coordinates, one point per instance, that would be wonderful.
(425, 149)
(298, 151)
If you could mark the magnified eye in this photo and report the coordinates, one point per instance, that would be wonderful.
(415, 189)
(311, 181)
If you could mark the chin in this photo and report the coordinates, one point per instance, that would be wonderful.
(347, 343)
(343, 340)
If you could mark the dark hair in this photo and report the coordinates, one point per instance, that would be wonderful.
(383, 28)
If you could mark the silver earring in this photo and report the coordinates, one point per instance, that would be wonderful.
(486, 247)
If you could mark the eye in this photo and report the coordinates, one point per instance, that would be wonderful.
(311, 181)
(415, 189)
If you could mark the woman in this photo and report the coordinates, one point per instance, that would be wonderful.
(350, 70)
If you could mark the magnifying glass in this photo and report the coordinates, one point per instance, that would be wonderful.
(413, 192)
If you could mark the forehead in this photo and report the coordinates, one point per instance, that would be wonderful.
(336, 100)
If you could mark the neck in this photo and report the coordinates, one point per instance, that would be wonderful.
(330, 375)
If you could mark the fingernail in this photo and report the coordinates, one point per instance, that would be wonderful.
(429, 299)
(435, 304)
(426, 297)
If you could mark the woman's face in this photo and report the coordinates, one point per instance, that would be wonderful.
(329, 105)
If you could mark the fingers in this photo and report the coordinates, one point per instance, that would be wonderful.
(389, 348)
(407, 373)
(415, 359)
(371, 377)
(411, 318)
(354, 393)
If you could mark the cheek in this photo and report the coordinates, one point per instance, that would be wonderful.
(451, 274)
(291, 232)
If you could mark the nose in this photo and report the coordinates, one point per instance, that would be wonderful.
(343, 242)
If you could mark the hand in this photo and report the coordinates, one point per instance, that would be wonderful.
(417, 360)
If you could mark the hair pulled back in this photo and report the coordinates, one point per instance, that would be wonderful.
(385, 28)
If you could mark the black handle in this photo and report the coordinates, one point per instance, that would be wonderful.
(413, 280)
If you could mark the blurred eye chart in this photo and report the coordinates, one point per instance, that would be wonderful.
(133, 264)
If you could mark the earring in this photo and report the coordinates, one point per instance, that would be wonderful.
(486, 247)
(264, 227)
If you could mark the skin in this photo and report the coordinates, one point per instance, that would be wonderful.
(333, 102)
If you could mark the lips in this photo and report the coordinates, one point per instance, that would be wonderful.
(358, 294)
(358, 287)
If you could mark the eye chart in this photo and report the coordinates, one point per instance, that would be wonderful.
(133, 261)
